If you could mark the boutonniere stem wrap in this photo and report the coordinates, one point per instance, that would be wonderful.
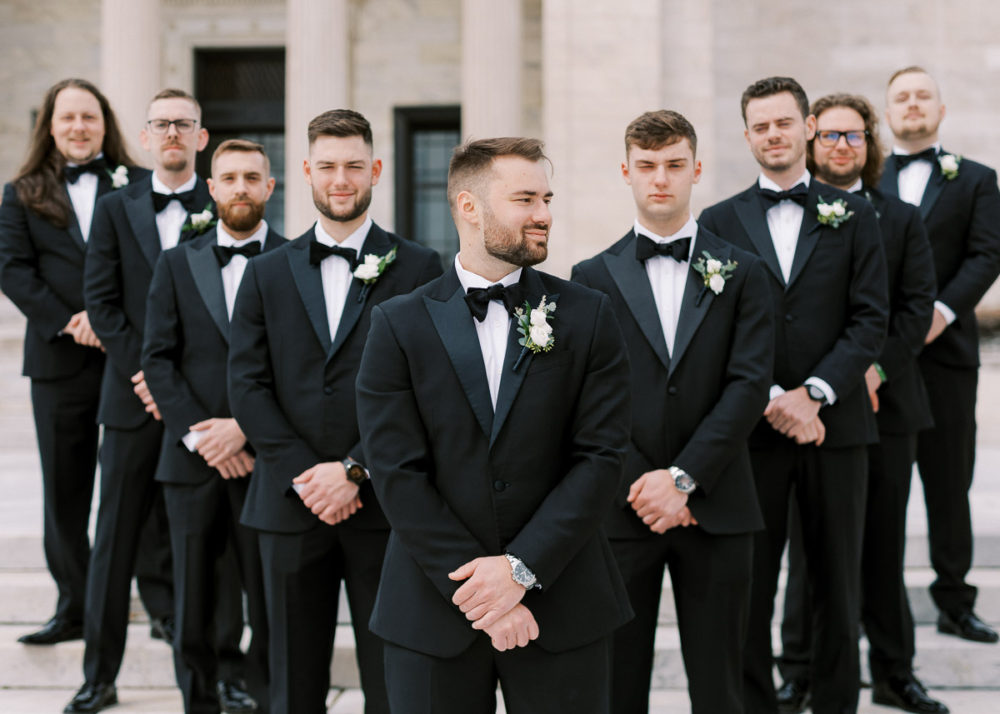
(834, 213)
(714, 274)
(200, 222)
(371, 269)
(536, 332)
(949, 165)
(119, 177)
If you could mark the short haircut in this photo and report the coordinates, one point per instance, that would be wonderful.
(244, 146)
(340, 122)
(912, 69)
(173, 93)
(873, 147)
(771, 86)
(656, 129)
(472, 162)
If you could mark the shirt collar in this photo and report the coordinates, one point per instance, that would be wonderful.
(356, 240)
(160, 187)
(856, 186)
(225, 238)
(73, 163)
(468, 279)
(688, 230)
(899, 150)
(765, 182)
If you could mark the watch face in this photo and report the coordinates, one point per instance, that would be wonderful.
(815, 393)
(355, 473)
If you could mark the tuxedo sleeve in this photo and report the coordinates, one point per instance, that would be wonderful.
(981, 262)
(867, 319)
(19, 278)
(912, 305)
(573, 511)
(103, 296)
(252, 395)
(161, 353)
(399, 458)
(747, 382)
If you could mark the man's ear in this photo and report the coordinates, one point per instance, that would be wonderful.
(467, 207)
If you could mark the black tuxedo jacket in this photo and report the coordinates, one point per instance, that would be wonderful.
(903, 403)
(186, 350)
(41, 271)
(831, 317)
(696, 407)
(458, 480)
(962, 216)
(121, 254)
(291, 389)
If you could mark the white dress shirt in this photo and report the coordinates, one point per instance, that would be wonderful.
(83, 196)
(170, 220)
(667, 277)
(912, 182)
(784, 221)
(336, 272)
(492, 332)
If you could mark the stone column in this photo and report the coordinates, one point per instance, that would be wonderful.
(491, 68)
(130, 61)
(317, 78)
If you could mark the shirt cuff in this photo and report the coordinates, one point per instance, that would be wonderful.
(191, 440)
(947, 312)
(831, 396)
(776, 391)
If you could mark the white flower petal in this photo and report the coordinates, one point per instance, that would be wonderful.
(716, 283)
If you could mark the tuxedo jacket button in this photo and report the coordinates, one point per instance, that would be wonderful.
(671, 390)
(789, 318)
(499, 485)
(327, 390)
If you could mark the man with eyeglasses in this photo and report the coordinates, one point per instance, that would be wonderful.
(846, 154)
(827, 280)
(960, 205)
(131, 227)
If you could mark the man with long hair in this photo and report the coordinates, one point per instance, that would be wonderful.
(76, 155)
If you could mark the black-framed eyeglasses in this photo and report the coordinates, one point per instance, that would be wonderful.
(830, 138)
(162, 126)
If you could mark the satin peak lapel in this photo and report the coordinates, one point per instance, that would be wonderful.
(453, 323)
(809, 234)
(692, 312)
(751, 214)
(309, 283)
(207, 278)
(376, 242)
(633, 283)
(142, 218)
(935, 184)
(889, 183)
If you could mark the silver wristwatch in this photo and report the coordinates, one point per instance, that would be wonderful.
(521, 573)
(682, 480)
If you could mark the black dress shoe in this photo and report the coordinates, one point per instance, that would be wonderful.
(793, 697)
(162, 629)
(908, 694)
(967, 626)
(55, 630)
(92, 698)
(234, 698)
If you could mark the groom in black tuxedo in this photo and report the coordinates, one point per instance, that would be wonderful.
(827, 280)
(298, 331)
(45, 217)
(493, 405)
(960, 205)
(702, 354)
(131, 228)
(206, 461)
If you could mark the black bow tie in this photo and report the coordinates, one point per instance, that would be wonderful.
(479, 299)
(161, 200)
(646, 248)
(73, 173)
(225, 253)
(798, 193)
(319, 251)
(904, 160)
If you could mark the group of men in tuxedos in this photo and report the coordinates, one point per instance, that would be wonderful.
(499, 464)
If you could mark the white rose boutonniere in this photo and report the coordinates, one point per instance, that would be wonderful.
(949, 165)
(713, 273)
(200, 222)
(370, 270)
(536, 332)
(834, 213)
(119, 177)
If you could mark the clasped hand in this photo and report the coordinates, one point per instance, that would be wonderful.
(141, 390)
(328, 493)
(491, 600)
(656, 500)
(795, 415)
(221, 445)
